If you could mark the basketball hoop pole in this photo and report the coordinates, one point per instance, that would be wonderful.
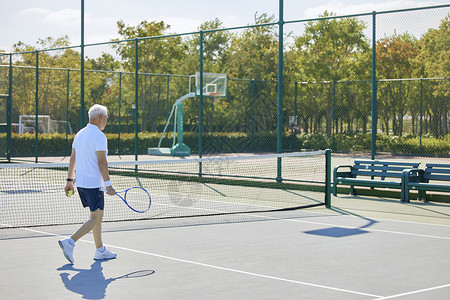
(178, 146)
(209, 85)
(180, 149)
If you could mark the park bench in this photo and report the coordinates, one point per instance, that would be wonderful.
(435, 177)
(371, 173)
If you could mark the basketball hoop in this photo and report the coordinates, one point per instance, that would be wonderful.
(213, 96)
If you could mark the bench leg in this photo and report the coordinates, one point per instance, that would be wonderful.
(352, 190)
(422, 196)
(402, 194)
(405, 195)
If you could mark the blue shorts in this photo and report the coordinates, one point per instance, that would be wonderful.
(92, 198)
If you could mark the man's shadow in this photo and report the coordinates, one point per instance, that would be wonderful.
(91, 283)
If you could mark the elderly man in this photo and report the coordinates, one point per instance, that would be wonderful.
(89, 150)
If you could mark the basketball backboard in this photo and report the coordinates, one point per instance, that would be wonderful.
(214, 84)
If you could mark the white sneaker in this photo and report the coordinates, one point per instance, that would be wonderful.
(105, 255)
(67, 249)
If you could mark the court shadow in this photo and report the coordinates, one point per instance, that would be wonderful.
(91, 283)
(336, 231)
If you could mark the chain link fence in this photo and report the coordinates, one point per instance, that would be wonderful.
(347, 82)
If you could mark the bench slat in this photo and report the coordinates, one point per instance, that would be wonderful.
(434, 170)
(383, 168)
(438, 165)
(429, 187)
(377, 174)
(370, 183)
(438, 177)
(389, 163)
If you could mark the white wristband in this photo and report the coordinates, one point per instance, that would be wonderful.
(108, 183)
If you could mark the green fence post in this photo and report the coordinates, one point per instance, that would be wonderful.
(120, 107)
(36, 102)
(82, 109)
(334, 117)
(296, 116)
(136, 97)
(420, 108)
(200, 116)
(280, 90)
(252, 91)
(167, 97)
(67, 111)
(211, 137)
(374, 88)
(295, 99)
(9, 111)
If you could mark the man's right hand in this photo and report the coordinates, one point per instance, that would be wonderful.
(110, 190)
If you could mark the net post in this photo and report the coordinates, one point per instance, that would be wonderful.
(327, 178)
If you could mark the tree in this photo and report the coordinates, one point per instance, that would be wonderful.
(52, 81)
(434, 57)
(330, 50)
(395, 60)
(253, 55)
(216, 44)
(156, 55)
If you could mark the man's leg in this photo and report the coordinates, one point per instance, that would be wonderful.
(101, 253)
(97, 230)
(96, 218)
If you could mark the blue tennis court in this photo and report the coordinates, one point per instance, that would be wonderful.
(362, 248)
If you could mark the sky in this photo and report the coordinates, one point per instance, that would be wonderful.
(29, 20)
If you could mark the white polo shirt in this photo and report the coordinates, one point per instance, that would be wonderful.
(86, 143)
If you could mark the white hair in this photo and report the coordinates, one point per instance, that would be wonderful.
(97, 110)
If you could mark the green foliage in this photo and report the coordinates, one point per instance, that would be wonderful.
(58, 144)
(329, 47)
(334, 51)
(254, 53)
(428, 146)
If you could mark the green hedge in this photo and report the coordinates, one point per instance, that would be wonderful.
(59, 144)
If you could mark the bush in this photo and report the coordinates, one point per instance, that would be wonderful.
(235, 142)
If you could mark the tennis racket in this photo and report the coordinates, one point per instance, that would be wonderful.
(136, 198)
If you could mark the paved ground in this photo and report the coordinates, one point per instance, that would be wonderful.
(361, 248)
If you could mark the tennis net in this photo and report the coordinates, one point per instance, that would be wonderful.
(32, 195)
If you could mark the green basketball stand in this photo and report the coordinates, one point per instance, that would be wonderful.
(214, 85)
(179, 148)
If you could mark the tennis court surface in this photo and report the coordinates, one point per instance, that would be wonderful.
(204, 241)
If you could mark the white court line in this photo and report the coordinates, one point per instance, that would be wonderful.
(375, 219)
(367, 229)
(346, 226)
(328, 224)
(414, 292)
(218, 267)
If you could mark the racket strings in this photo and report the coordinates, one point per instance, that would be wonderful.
(138, 199)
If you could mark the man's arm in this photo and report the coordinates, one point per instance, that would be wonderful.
(70, 174)
(103, 167)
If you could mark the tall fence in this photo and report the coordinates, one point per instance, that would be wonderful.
(373, 83)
